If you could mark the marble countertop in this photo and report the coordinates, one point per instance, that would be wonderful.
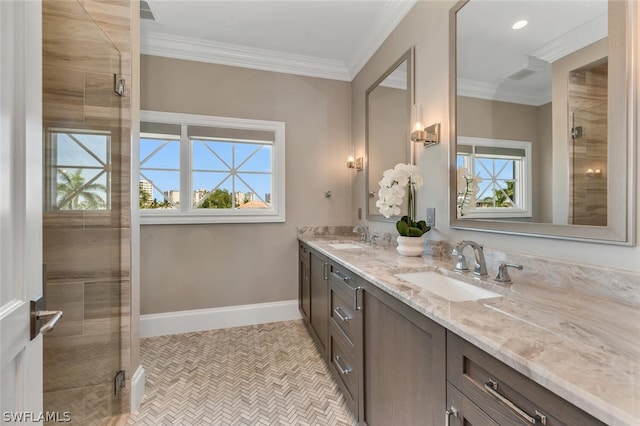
(583, 348)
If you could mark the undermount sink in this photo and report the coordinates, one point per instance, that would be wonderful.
(345, 246)
(447, 287)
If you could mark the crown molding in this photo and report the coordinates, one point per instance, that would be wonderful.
(582, 36)
(388, 19)
(494, 92)
(195, 49)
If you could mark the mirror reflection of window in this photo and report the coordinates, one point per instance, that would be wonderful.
(501, 173)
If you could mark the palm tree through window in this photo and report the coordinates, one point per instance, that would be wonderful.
(79, 170)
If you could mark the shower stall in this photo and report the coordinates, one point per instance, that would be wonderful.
(85, 222)
(589, 144)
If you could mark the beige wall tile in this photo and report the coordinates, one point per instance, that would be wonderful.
(69, 298)
(62, 95)
(102, 307)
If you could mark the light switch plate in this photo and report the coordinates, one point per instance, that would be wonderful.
(431, 217)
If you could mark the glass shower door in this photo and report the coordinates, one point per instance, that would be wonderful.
(82, 215)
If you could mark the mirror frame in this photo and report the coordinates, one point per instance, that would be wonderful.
(621, 186)
(408, 56)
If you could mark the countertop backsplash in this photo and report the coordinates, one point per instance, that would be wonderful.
(612, 284)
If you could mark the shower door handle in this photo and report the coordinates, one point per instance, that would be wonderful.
(49, 325)
(38, 314)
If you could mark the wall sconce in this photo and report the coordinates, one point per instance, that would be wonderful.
(593, 173)
(427, 135)
(350, 162)
(354, 164)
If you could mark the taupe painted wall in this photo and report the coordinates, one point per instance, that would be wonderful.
(432, 91)
(205, 266)
(504, 120)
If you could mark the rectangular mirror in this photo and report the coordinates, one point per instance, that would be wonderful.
(388, 125)
(540, 137)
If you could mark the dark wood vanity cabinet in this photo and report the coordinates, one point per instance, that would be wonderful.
(404, 363)
(318, 299)
(304, 283)
(345, 334)
(478, 381)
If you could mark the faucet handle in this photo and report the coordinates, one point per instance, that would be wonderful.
(503, 272)
(461, 263)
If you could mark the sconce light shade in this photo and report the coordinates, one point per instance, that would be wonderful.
(427, 135)
(350, 162)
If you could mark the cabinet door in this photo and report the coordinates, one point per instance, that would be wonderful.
(319, 318)
(304, 284)
(404, 363)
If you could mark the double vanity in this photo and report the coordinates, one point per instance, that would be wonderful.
(411, 341)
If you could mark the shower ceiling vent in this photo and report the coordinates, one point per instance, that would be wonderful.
(145, 11)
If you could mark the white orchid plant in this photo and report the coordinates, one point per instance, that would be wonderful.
(403, 179)
(468, 186)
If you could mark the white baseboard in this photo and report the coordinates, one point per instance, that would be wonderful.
(211, 319)
(137, 388)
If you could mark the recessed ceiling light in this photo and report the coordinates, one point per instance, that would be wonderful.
(520, 24)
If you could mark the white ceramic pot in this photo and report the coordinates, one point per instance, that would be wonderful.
(410, 246)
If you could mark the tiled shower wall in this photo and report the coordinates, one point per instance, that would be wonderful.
(588, 111)
(88, 252)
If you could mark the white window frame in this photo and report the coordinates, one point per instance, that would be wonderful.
(185, 214)
(525, 186)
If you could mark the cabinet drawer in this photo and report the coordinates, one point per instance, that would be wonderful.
(343, 310)
(463, 412)
(344, 366)
(507, 396)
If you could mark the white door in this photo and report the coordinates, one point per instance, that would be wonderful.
(20, 208)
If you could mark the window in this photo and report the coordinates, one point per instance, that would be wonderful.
(78, 172)
(199, 169)
(505, 169)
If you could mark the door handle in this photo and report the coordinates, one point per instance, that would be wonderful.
(38, 313)
(49, 325)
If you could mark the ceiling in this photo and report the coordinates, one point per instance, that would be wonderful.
(320, 38)
(498, 62)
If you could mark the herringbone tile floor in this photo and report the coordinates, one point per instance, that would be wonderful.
(268, 374)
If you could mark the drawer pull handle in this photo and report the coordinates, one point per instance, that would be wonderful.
(358, 298)
(325, 271)
(448, 413)
(342, 276)
(340, 314)
(343, 370)
(492, 387)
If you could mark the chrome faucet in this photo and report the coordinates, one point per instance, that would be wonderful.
(364, 232)
(480, 267)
